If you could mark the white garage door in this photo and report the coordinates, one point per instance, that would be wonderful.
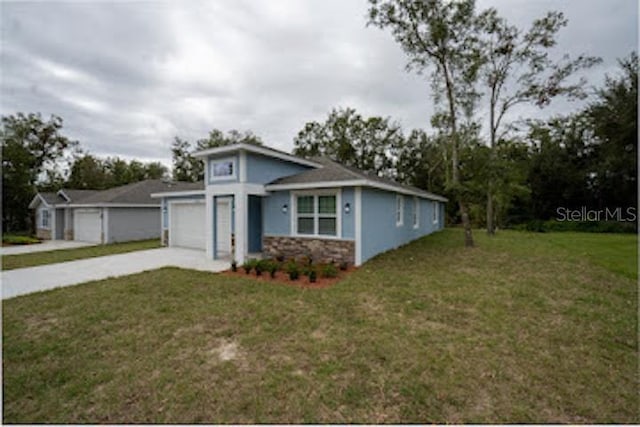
(187, 228)
(87, 225)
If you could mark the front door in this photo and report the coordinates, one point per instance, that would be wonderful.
(223, 227)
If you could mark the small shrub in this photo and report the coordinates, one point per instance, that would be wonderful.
(12, 239)
(258, 268)
(273, 268)
(293, 271)
(234, 265)
(247, 266)
(280, 258)
(344, 265)
(312, 276)
(329, 271)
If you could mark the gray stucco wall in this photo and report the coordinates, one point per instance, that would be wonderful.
(133, 224)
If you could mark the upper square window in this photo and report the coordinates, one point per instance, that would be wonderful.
(223, 169)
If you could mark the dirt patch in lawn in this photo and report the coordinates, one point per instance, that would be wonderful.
(282, 277)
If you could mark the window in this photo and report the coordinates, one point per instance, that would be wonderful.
(436, 211)
(399, 210)
(416, 212)
(44, 218)
(223, 169)
(317, 214)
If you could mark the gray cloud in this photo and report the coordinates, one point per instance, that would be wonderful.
(127, 77)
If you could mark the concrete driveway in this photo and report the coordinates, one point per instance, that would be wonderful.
(33, 279)
(47, 245)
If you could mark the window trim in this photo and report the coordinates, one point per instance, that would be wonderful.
(436, 212)
(316, 214)
(234, 167)
(44, 226)
(399, 210)
(416, 213)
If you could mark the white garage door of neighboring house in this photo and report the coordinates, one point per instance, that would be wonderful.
(187, 228)
(87, 225)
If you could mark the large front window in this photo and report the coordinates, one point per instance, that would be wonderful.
(317, 214)
(44, 218)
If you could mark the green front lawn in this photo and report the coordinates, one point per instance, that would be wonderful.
(10, 262)
(523, 328)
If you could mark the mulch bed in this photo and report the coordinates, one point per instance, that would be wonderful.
(283, 278)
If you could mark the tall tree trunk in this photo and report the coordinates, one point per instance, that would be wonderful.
(464, 213)
(491, 230)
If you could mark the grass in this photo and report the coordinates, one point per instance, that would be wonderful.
(524, 328)
(19, 239)
(11, 262)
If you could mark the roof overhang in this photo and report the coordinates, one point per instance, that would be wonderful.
(250, 148)
(354, 183)
(177, 193)
(37, 199)
(111, 205)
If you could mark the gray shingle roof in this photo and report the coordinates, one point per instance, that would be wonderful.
(138, 192)
(77, 195)
(51, 198)
(332, 171)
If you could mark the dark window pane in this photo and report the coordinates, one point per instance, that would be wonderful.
(305, 225)
(327, 204)
(327, 226)
(305, 204)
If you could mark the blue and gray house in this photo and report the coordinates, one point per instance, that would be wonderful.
(260, 201)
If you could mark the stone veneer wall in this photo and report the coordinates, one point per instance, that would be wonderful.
(322, 250)
(43, 233)
(68, 234)
(165, 237)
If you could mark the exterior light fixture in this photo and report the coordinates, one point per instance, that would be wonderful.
(347, 208)
(285, 208)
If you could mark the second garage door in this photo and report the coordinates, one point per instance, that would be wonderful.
(187, 225)
(87, 225)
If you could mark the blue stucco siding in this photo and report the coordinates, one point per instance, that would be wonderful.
(165, 206)
(348, 219)
(379, 230)
(213, 159)
(263, 169)
(274, 222)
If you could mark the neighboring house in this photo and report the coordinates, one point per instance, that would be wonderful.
(258, 200)
(115, 215)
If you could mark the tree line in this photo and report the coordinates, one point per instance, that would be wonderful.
(36, 156)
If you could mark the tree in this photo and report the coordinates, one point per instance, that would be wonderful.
(614, 119)
(190, 169)
(439, 36)
(352, 140)
(89, 173)
(155, 170)
(33, 150)
(516, 69)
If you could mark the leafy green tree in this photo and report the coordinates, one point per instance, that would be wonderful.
(89, 173)
(155, 170)
(517, 69)
(33, 150)
(347, 137)
(439, 37)
(188, 168)
(614, 119)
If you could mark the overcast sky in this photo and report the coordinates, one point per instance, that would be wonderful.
(127, 77)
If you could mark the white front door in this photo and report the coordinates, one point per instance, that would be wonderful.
(187, 225)
(87, 225)
(223, 227)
